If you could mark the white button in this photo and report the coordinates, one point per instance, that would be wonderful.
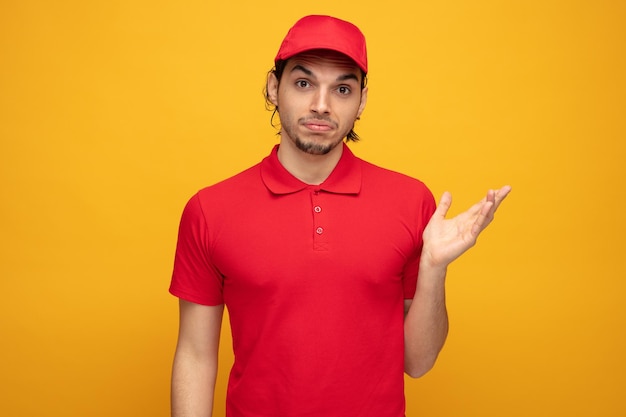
(317, 209)
(319, 231)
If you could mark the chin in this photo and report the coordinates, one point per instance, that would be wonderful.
(314, 148)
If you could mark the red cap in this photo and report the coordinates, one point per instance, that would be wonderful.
(324, 32)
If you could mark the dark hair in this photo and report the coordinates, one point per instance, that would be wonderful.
(278, 73)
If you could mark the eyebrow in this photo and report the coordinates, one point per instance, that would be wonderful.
(344, 77)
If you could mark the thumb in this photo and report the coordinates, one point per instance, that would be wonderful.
(444, 205)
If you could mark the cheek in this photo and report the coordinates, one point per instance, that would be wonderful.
(352, 111)
(291, 104)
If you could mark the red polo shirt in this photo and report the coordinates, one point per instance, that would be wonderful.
(314, 279)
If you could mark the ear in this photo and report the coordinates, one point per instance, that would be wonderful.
(363, 102)
(272, 88)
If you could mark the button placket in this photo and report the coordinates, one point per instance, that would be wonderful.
(320, 234)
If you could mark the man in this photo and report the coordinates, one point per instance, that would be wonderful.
(316, 254)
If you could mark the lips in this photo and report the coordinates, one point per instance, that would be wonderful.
(318, 125)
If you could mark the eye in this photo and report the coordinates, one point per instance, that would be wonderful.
(344, 90)
(302, 83)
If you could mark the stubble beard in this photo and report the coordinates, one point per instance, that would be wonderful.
(311, 147)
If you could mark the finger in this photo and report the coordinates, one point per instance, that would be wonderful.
(495, 196)
(477, 207)
(501, 194)
(484, 218)
(487, 211)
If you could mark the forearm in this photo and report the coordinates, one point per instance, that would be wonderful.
(195, 362)
(426, 321)
(193, 385)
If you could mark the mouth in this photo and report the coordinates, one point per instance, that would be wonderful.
(318, 125)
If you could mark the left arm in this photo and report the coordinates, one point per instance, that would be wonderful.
(426, 317)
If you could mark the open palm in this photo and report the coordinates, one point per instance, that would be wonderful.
(447, 239)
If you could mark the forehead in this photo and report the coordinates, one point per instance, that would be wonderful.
(324, 60)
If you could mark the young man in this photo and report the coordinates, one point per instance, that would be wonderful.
(316, 254)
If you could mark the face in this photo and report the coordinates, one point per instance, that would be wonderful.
(319, 98)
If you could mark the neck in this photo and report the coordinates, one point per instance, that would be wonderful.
(308, 168)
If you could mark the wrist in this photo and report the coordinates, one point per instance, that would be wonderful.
(431, 263)
(431, 275)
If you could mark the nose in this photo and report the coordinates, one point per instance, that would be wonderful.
(321, 102)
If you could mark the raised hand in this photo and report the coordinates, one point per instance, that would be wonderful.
(447, 239)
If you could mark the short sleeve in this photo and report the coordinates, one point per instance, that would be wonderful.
(195, 278)
(424, 211)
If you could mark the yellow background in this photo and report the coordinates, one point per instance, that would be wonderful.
(113, 113)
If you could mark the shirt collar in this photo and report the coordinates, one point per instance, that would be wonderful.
(344, 179)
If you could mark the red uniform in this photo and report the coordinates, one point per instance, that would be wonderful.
(314, 278)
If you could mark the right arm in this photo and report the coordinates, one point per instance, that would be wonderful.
(195, 362)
